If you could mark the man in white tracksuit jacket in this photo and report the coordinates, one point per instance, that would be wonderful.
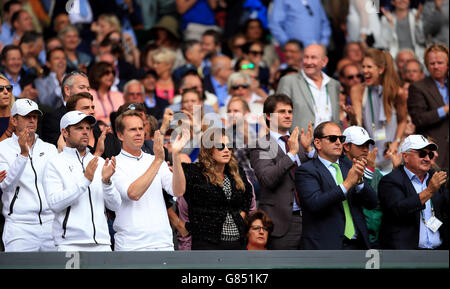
(28, 219)
(78, 186)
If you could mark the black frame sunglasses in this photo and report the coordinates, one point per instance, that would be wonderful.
(8, 87)
(221, 146)
(334, 138)
(237, 86)
(422, 154)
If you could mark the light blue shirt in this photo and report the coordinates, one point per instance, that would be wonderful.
(7, 35)
(276, 136)
(333, 171)
(290, 19)
(427, 239)
(444, 93)
(221, 91)
(17, 90)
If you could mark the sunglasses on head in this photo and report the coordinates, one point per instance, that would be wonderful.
(422, 154)
(247, 66)
(221, 146)
(350, 77)
(237, 86)
(334, 138)
(9, 88)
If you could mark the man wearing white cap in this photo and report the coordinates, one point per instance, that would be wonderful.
(78, 187)
(414, 200)
(28, 219)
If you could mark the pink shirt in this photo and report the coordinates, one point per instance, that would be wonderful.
(107, 104)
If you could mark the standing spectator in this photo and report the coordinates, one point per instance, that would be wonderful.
(28, 218)
(78, 187)
(428, 101)
(197, 17)
(192, 51)
(106, 101)
(141, 222)
(305, 21)
(314, 94)
(411, 197)
(435, 20)
(21, 22)
(274, 160)
(332, 196)
(380, 104)
(211, 47)
(218, 195)
(293, 50)
(216, 82)
(49, 87)
(6, 103)
(362, 26)
(259, 229)
(403, 28)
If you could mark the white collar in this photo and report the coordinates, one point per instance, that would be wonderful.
(127, 154)
(325, 79)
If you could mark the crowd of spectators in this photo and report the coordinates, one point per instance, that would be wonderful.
(323, 67)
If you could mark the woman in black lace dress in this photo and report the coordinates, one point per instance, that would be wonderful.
(218, 195)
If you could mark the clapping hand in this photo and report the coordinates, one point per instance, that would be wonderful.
(306, 139)
(108, 170)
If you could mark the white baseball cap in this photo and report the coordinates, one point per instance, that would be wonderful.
(417, 142)
(74, 117)
(24, 106)
(357, 135)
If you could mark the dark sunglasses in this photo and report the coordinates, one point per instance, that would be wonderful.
(221, 146)
(258, 228)
(9, 88)
(422, 154)
(109, 72)
(350, 77)
(237, 86)
(256, 52)
(334, 138)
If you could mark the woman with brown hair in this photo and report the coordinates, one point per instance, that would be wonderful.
(218, 195)
(101, 77)
(380, 104)
(259, 228)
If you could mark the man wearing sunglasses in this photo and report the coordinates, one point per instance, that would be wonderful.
(332, 195)
(414, 200)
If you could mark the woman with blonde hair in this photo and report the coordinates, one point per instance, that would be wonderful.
(218, 195)
(163, 60)
(380, 104)
(6, 103)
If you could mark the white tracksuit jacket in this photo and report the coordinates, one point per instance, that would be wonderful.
(78, 204)
(24, 200)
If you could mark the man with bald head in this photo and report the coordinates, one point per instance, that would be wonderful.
(216, 82)
(314, 94)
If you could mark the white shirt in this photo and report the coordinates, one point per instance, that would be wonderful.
(321, 99)
(142, 224)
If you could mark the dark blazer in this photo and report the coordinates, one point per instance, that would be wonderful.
(273, 168)
(423, 101)
(323, 212)
(50, 125)
(401, 209)
(207, 84)
(208, 205)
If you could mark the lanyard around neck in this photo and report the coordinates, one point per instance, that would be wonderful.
(312, 96)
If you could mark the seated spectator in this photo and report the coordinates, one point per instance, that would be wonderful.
(101, 77)
(76, 60)
(292, 51)
(12, 64)
(259, 228)
(163, 60)
(247, 67)
(49, 86)
(354, 52)
(435, 20)
(235, 45)
(197, 17)
(105, 24)
(21, 22)
(6, 103)
(253, 51)
(400, 60)
(211, 47)
(192, 51)
(216, 82)
(32, 46)
(7, 35)
(413, 71)
(349, 76)
(151, 101)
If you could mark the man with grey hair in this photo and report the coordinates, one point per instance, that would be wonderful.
(216, 82)
(71, 84)
(414, 200)
(401, 58)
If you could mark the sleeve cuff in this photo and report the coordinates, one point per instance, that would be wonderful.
(441, 112)
(343, 189)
